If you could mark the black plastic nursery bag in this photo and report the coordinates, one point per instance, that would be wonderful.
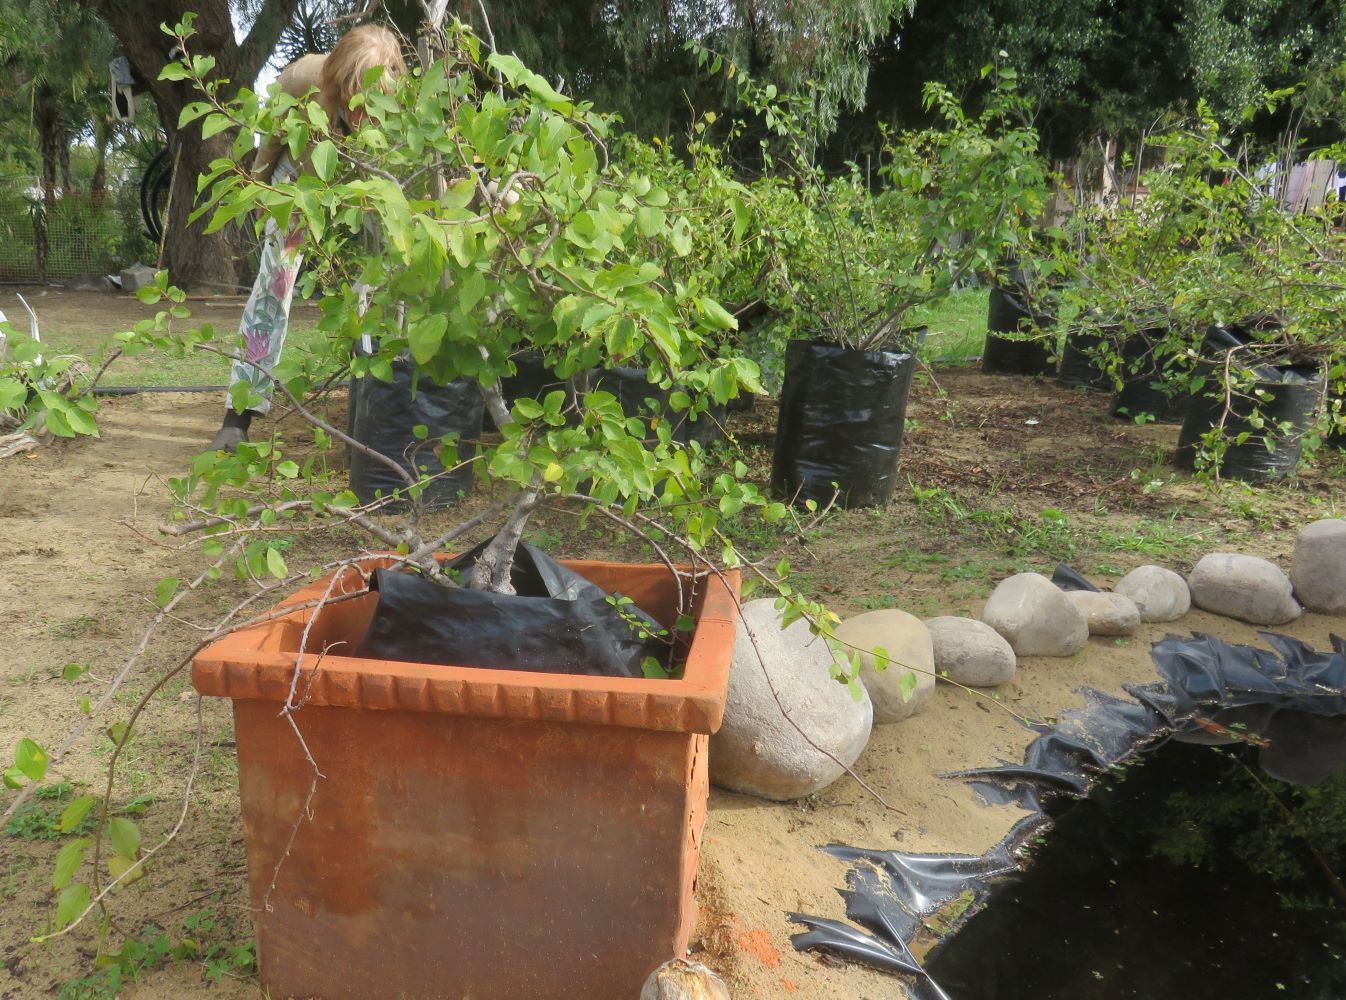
(1003, 356)
(557, 622)
(382, 417)
(842, 414)
(632, 387)
(1143, 374)
(1293, 392)
(1080, 368)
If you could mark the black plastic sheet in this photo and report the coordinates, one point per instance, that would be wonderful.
(842, 414)
(1291, 697)
(556, 622)
(1006, 313)
(382, 416)
(1143, 371)
(1067, 578)
(1288, 397)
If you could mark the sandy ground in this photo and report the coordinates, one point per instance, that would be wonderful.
(77, 537)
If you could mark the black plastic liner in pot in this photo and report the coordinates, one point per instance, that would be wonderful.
(1002, 356)
(557, 622)
(632, 388)
(1292, 391)
(1143, 375)
(842, 413)
(382, 415)
(1080, 365)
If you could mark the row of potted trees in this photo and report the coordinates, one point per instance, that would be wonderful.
(1204, 302)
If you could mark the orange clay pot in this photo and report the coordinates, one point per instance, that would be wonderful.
(483, 834)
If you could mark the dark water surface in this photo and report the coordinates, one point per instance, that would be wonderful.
(1182, 881)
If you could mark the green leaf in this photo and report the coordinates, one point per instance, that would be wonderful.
(13, 777)
(118, 865)
(287, 469)
(73, 901)
(31, 759)
(214, 125)
(74, 671)
(125, 836)
(276, 564)
(907, 685)
(68, 860)
(324, 159)
(73, 814)
(425, 336)
(163, 593)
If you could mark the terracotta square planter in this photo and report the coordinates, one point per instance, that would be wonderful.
(490, 834)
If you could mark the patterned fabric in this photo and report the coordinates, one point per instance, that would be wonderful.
(266, 317)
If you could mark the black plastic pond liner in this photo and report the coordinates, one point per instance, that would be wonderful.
(557, 622)
(1068, 578)
(1080, 367)
(382, 416)
(842, 413)
(1292, 393)
(1005, 356)
(1208, 686)
(1143, 375)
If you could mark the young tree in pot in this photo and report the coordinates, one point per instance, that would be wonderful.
(502, 225)
(848, 267)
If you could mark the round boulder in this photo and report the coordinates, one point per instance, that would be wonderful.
(757, 750)
(905, 641)
(1036, 617)
(1107, 614)
(970, 652)
(1244, 587)
(1160, 595)
(1318, 570)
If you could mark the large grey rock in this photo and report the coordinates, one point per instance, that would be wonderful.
(1160, 594)
(1318, 570)
(905, 640)
(757, 751)
(1107, 614)
(136, 277)
(970, 652)
(1244, 587)
(1036, 617)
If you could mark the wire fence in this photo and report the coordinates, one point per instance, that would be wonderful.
(80, 235)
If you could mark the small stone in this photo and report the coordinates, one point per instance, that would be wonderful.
(905, 640)
(1107, 614)
(681, 979)
(758, 751)
(1318, 570)
(1036, 617)
(1243, 587)
(1160, 594)
(970, 652)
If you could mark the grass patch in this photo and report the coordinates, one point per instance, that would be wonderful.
(957, 325)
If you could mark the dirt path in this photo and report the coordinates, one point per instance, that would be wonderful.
(77, 534)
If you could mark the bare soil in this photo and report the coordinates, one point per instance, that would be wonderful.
(1014, 474)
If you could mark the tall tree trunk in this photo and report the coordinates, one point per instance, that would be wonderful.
(47, 120)
(63, 157)
(194, 258)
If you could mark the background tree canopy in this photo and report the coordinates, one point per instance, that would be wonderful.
(1090, 67)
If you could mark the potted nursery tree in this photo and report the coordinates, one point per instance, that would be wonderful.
(446, 827)
(847, 268)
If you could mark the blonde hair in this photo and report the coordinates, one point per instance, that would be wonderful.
(359, 51)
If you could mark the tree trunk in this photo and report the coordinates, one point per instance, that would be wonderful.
(193, 258)
(63, 157)
(47, 120)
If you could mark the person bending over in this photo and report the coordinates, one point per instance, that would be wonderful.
(338, 76)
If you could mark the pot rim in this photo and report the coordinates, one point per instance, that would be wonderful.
(258, 664)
